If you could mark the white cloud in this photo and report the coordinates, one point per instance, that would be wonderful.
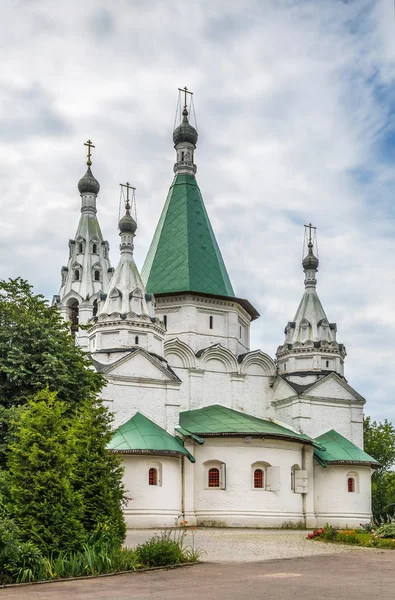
(295, 105)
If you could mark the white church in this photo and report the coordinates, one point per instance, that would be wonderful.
(210, 431)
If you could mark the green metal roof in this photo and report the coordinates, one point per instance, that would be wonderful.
(141, 436)
(184, 254)
(218, 420)
(339, 450)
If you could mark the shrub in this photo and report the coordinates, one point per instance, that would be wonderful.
(386, 531)
(41, 462)
(9, 539)
(160, 551)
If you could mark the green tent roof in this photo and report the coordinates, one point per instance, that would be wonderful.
(339, 450)
(184, 254)
(218, 420)
(141, 436)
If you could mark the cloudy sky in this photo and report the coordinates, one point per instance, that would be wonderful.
(295, 103)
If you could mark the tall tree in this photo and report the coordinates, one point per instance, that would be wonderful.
(37, 351)
(98, 473)
(41, 463)
(379, 442)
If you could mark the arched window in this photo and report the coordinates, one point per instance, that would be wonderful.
(213, 477)
(351, 484)
(182, 156)
(165, 320)
(73, 315)
(153, 476)
(136, 340)
(327, 363)
(80, 248)
(76, 275)
(97, 275)
(293, 469)
(94, 308)
(94, 248)
(259, 478)
(262, 477)
(211, 322)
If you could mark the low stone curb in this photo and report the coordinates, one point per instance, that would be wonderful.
(65, 579)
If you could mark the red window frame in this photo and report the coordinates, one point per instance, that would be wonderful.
(351, 484)
(153, 476)
(213, 478)
(259, 478)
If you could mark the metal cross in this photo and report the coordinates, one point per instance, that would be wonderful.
(186, 91)
(310, 227)
(90, 145)
(128, 187)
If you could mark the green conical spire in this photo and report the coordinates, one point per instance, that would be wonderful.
(184, 254)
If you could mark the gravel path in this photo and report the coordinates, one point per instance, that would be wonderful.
(250, 545)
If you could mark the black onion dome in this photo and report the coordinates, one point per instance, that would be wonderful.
(310, 261)
(88, 184)
(127, 224)
(185, 132)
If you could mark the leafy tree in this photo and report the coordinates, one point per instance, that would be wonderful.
(379, 442)
(41, 463)
(98, 473)
(37, 351)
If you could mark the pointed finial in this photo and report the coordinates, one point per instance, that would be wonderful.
(127, 224)
(185, 92)
(90, 145)
(310, 262)
(185, 132)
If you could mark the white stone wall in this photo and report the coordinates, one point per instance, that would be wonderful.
(217, 377)
(333, 503)
(188, 318)
(157, 401)
(150, 505)
(315, 416)
(239, 505)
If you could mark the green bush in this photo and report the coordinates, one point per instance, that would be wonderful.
(9, 540)
(329, 533)
(160, 551)
(386, 531)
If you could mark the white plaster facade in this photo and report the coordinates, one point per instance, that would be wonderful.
(185, 351)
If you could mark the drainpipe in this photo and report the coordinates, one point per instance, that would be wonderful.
(304, 495)
(183, 458)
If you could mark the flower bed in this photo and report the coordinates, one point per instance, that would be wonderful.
(370, 536)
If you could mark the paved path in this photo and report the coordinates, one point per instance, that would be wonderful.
(353, 576)
(248, 545)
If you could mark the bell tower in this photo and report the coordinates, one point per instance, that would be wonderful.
(88, 269)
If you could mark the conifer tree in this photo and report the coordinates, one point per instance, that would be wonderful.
(41, 463)
(98, 473)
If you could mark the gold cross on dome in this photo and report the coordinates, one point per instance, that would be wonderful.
(128, 187)
(90, 145)
(185, 92)
(310, 227)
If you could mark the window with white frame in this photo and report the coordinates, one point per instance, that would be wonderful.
(215, 475)
(352, 482)
(265, 477)
(154, 473)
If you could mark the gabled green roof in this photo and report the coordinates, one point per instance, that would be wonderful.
(184, 254)
(141, 436)
(218, 420)
(339, 450)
